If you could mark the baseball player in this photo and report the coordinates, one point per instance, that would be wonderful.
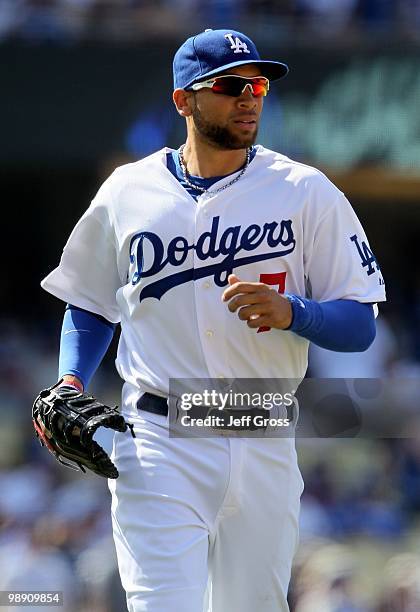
(221, 259)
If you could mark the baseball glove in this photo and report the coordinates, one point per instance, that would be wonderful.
(66, 420)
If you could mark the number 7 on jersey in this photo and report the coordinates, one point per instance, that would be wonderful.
(279, 279)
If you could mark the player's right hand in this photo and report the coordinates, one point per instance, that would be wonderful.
(65, 421)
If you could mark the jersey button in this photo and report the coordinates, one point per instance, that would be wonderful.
(209, 333)
(206, 285)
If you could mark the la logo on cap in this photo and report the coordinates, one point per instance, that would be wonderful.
(237, 44)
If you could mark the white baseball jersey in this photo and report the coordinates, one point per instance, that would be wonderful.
(148, 255)
(208, 524)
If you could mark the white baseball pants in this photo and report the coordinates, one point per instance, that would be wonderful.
(204, 524)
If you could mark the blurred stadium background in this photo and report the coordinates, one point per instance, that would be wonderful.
(85, 86)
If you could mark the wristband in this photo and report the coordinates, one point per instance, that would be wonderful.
(75, 384)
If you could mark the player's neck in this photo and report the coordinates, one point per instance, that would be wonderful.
(205, 161)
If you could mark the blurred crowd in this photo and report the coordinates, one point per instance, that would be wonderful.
(359, 528)
(73, 20)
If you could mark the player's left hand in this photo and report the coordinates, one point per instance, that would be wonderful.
(257, 304)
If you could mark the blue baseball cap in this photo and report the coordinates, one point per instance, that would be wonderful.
(214, 51)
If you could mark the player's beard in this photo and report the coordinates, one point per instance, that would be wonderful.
(221, 136)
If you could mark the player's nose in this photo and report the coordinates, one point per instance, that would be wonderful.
(246, 99)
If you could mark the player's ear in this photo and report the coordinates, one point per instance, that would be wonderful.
(183, 101)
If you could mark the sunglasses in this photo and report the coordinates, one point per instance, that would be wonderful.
(235, 85)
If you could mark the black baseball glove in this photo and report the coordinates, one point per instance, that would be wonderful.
(65, 421)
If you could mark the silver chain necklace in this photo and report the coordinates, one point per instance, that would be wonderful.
(202, 189)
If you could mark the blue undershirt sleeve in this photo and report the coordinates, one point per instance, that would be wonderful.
(338, 325)
(85, 338)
